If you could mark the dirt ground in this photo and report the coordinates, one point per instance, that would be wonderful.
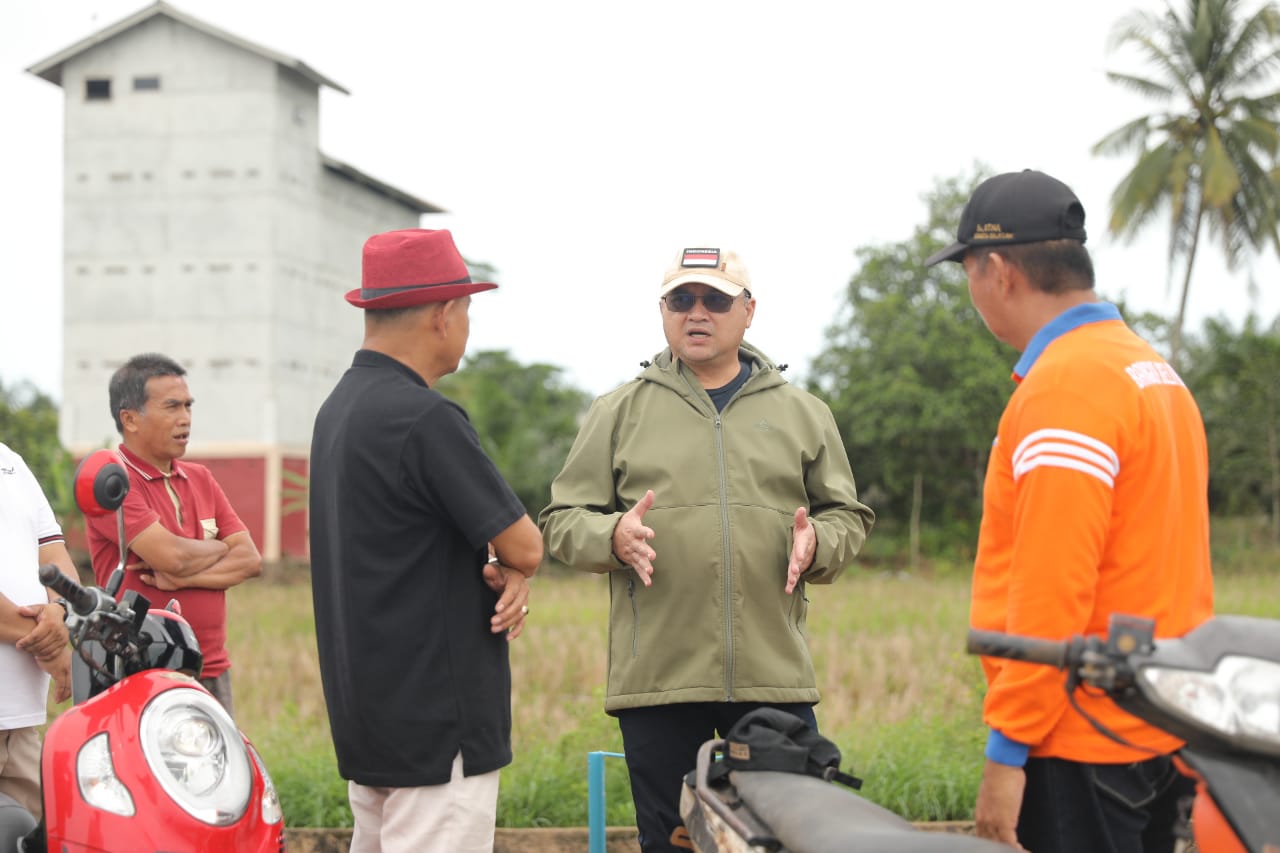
(618, 839)
(558, 840)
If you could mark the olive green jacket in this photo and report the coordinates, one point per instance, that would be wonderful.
(717, 624)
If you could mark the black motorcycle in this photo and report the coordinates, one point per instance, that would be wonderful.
(1217, 688)
(774, 784)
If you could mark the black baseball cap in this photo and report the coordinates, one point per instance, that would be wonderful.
(1016, 207)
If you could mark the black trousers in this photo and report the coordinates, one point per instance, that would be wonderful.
(661, 744)
(220, 687)
(1103, 808)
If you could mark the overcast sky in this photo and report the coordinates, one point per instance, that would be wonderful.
(578, 144)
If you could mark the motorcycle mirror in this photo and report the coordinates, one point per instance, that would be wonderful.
(101, 482)
(114, 581)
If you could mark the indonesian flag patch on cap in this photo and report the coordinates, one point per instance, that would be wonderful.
(718, 268)
(709, 258)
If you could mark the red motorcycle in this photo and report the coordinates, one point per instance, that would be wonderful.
(146, 758)
(1217, 688)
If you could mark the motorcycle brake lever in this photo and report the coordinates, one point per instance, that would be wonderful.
(1100, 668)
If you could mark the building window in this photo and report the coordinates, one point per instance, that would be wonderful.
(146, 84)
(97, 89)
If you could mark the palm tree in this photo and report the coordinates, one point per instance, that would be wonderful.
(1211, 157)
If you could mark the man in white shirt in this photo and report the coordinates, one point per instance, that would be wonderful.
(33, 637)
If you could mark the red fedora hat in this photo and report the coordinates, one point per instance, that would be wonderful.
(413, 266)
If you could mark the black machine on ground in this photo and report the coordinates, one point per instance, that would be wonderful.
(772, 785)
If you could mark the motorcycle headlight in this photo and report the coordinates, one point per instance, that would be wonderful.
(96, 775)
(196, 752)
(271, 811)
(1239, 699)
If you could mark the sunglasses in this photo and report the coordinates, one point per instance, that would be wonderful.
(682, 302)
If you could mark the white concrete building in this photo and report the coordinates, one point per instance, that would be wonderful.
(203, 222)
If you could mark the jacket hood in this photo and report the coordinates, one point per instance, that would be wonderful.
(670, 372)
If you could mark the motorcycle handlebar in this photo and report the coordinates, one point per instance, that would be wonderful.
(82, 600)
(994, 644)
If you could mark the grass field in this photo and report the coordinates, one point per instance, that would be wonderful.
(900, 697)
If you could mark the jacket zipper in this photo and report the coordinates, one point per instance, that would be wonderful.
(725, 559)
(635, 615)
(724, 533)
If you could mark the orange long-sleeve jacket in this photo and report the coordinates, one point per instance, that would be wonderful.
(1095, 502)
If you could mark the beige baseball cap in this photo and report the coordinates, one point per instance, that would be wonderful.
(719, 268)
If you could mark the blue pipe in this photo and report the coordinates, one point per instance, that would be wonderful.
(595, 799)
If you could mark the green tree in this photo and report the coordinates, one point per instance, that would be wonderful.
(29, 426)
(1233, 375)
(481, 270)
(914, 378)
(1209, 159)
(526, 416)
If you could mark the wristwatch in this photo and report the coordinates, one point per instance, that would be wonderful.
(66, 606)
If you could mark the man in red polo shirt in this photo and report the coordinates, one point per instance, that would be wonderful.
(185, 541)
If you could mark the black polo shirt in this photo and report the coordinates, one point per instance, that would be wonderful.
(403, 504)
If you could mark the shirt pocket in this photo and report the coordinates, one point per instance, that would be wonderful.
(210, 527)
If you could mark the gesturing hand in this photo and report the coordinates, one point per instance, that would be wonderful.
(631, 540)
(804, 542)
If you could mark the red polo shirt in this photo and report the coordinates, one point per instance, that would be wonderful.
(206, 514)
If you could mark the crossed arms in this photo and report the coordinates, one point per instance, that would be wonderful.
(172, 562)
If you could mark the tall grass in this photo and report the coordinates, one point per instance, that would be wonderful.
(279, 702)
(900, 697)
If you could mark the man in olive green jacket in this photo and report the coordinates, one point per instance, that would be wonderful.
(741, 482)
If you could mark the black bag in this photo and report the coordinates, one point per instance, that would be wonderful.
(770, 739)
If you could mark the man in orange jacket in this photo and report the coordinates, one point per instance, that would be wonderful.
(1095, 502)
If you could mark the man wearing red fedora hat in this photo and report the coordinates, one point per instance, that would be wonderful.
(419, 555)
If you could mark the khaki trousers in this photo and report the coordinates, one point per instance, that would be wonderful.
(20, 767)
(456, 817)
